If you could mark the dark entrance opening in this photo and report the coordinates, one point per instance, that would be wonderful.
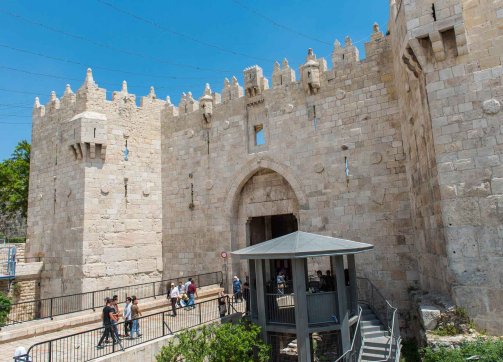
(265, 228)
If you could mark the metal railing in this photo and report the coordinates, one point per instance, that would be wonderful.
(385, 312)
(354, 352)
(81, 347)
(56, 306)
(7, 261)
(322, 308)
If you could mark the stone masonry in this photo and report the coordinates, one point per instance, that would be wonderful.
(401, 149)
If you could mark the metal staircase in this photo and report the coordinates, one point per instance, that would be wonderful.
(376, 338)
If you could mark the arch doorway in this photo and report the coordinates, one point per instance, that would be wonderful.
(266, 207)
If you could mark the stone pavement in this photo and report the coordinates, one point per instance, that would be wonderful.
(83, 346)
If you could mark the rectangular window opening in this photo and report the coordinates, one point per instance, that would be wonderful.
(259, 134)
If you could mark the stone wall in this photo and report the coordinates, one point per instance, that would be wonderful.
(211, 164)
(455, 53)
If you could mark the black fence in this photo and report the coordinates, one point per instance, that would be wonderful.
(81, 347)
(52, 307)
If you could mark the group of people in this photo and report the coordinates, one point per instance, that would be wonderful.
(326, 282)
(111, 316)
(183, 295)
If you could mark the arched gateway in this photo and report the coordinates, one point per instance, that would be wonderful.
(263, 202)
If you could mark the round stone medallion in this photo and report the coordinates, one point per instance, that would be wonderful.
(491, 106)
(340, 94)
(318, 167)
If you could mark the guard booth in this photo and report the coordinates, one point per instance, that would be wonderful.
(7, 261)
(302, 322)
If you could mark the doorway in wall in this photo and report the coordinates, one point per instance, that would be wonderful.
(265, 228)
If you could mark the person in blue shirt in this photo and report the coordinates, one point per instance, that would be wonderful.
(236, 289)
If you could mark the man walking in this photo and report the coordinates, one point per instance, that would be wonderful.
(236, 289)
(109, 317)
(135, 314)
(192, 292)
(174, 295)
(128, 322)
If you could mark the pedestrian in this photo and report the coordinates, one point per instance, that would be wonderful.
(192, 292)
(187, 284)
(181, 292)
(115, 306)
(135, 315)
(321, 277)
(236, 289)
(329, 281)
(109, 317)
(246, 296)
(222, 305)
(126, 314)
(174, 295)
(280, 282)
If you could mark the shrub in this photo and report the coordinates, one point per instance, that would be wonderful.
(5, 306)
(485, 350)
(217, 343)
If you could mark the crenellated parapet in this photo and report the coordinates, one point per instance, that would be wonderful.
(232, 90)
(342, 56)
(282, 74)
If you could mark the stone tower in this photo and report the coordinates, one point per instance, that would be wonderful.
(448, 73)
(95, 189)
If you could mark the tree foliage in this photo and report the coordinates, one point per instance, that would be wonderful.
(14, 176)
(217, 343)
(5, 305)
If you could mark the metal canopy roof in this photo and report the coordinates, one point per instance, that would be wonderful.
(300, 244)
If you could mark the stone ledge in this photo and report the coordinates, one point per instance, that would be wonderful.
(28, 270)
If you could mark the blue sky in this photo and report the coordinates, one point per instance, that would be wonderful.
(174, 46)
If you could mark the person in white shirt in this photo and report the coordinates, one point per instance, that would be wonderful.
(174, 294)
(189, 282)
(126, 314)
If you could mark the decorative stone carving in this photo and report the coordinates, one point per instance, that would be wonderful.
(208, 184)
(226, 125)
(491, 106)
(189, 133)
(289, 108)
(318, 167)
(375, 158)
(146, 190)
(105, 189)
(340, 94)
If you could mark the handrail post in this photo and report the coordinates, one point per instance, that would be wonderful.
(163, 325)
(153, 289)
(200, 316)
(50, 351)
(94, 307)
(50, 312)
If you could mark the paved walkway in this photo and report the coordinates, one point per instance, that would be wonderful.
(82, 346)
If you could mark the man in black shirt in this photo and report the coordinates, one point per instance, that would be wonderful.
(109, 317)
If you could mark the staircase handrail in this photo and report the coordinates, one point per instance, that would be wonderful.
(354, 337)
(394, 329)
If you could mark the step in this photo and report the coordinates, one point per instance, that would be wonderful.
(374, 334)
(373, 357)
(371, 322)
(369, 329)
(377, 342)
(376, 350)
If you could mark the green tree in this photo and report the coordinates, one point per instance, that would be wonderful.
(14, 177)
(217, 343)
(5, 305)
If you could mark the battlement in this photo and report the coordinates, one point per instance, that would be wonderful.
(90, 97)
